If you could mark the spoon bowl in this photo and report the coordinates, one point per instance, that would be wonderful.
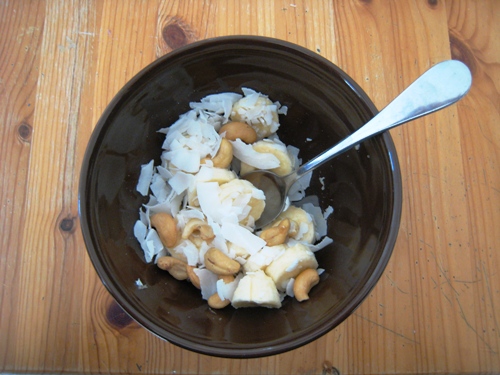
(440, 86)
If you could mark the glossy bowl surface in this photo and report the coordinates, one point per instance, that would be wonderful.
(325, 105)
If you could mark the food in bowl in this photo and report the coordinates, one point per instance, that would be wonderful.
(199, 222)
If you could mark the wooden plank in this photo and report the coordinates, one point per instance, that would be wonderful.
(474, 39)
(48, 298)
(22, 29)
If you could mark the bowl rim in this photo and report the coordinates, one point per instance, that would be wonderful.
(254, 352)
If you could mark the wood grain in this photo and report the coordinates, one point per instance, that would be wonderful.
(435, 309)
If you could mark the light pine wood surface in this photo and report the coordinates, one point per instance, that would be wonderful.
(436, 309)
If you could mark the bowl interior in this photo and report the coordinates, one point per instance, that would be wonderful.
(362, 186)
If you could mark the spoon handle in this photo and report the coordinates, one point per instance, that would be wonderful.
(440, 86)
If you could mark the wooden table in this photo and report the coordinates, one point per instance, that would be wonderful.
(436, 309)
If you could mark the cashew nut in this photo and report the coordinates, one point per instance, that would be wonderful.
(215, 302)
(219, 263)
(198, 228)
(276, 235)
(166, 227)
(304, 283)
(174, 266)
(234, 130)
(226, 278)
(193, 277)
(223, 157)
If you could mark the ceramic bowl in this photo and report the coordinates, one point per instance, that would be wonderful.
(363, 186)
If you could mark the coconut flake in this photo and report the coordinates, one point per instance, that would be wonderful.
(248, 155)
(139, 284)
(153, 206)
(218, 241)
(164, 172)
(293, 152)
(321, 244)
(282, 109)
(153, 245)
(226, 291)
(140, 231)
(208, 282)
(181, 181)
(145, 178)
(318, 219)
(298, 189)
(190, 251)
(328, 212)
(220, 104)
(208, 197)
(185, 160)
(242, 237)
(144, 217)
(159, 188)
(322, 182)
(171, 205)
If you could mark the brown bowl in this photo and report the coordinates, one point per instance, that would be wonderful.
(362, 185)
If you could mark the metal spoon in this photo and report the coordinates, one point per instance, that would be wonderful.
(442, 85)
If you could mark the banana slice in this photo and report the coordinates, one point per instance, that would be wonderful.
(302, 224)
(257, 111)
(242, 196)
(208, 174)
(278, 149)
(256, 289)
(295, 259)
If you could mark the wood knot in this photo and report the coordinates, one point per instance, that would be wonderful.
(460, 51)
(329, 369)
(432, 3)
(67, 224)
(117, 317)
(174, 34)
(24, 131)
